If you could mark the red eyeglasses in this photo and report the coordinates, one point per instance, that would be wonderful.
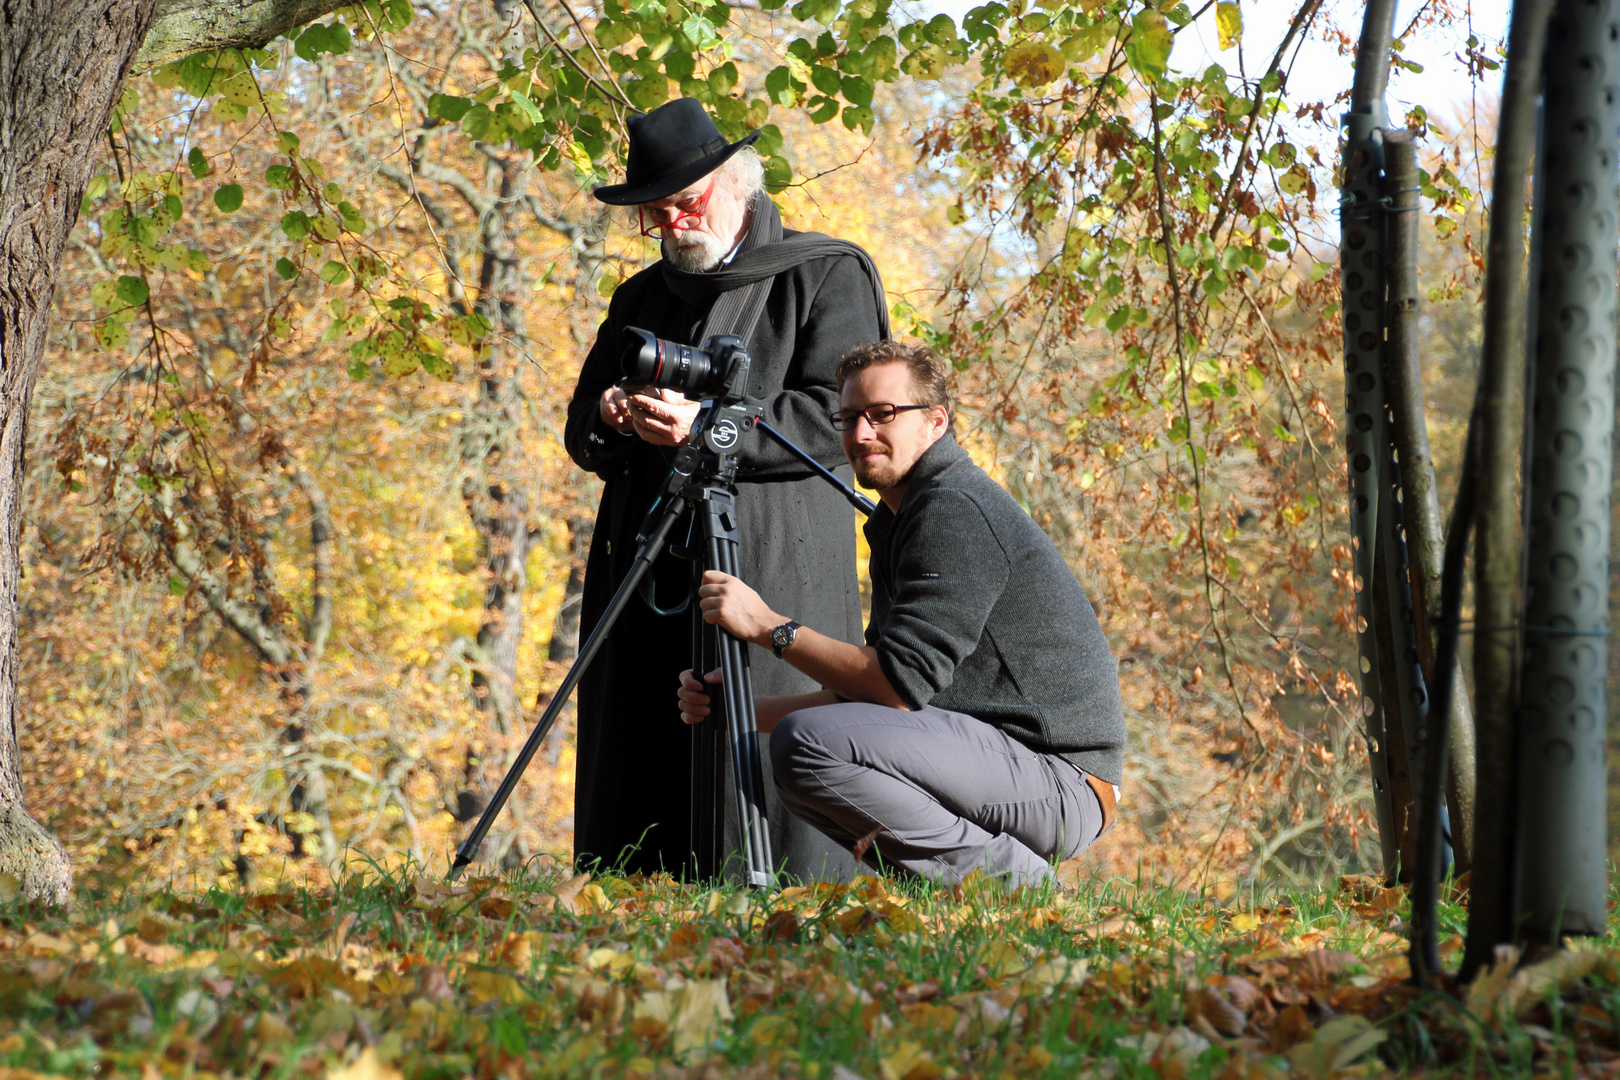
(688, 215)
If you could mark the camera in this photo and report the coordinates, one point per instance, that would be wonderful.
(717, 370)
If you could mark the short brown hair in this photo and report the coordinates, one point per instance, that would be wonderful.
(926, 368)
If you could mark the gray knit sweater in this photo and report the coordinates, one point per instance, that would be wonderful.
(973, 610)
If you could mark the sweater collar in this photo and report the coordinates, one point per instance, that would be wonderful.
(935, 460)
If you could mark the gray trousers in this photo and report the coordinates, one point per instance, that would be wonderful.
(944, 794)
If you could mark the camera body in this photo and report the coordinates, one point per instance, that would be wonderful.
(719, 369)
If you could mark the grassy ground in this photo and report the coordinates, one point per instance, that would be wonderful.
(542, 974)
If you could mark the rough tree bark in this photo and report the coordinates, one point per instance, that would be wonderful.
(62, 69)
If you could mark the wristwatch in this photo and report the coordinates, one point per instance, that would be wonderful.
(783, 636)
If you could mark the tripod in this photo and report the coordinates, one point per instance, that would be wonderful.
(701, 479)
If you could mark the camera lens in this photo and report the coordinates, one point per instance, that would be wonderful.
(652, 361)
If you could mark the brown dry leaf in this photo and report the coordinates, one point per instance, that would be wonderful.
(368, 1066)
(1176, 1053)
(153, 954)
(567, 895)
(435, 892)
(1489, 985)
(1336, 1045)
(1292, 1026)
(780, 927)
(1209, 1004)
(432, 984)
(1542, 981)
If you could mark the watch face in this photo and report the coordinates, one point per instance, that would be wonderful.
(783, 636)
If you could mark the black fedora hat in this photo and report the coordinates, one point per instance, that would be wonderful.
(670, 147)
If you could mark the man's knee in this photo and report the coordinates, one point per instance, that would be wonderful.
(799, 751)
(788, 749)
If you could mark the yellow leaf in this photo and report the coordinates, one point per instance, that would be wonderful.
(1228, 24)
(909, 1061)
(368, 1066)
(1243, 922)
(1034, 63)
(693, 1013)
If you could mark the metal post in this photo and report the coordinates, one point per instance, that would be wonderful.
(1361, 248)
(1561, 873)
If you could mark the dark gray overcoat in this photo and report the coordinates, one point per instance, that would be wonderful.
(797, 550)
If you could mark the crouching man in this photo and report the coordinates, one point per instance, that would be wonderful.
(980, 727)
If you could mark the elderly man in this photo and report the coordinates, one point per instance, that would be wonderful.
(980, 727)
(799, 301)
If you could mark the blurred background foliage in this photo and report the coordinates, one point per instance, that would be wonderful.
(303, 548)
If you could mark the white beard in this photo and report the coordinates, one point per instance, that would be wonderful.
(695, 252)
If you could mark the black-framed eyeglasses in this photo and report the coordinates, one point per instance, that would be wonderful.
(876, 415)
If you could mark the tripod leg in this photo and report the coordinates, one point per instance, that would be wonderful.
(707, 826)
(643, 561)
(719, 514)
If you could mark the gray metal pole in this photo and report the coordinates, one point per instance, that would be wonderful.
(1361, 267)
(1499, 410)
(1561, 873)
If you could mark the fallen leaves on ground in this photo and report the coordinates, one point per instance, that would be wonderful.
(395, 977)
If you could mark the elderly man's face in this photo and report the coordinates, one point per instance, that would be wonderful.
(698, 234)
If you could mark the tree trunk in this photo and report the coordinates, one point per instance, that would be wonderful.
(1497, 550)
(565, 628)
(62, 67)
(498, 512)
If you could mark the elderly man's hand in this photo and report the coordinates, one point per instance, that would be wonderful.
(694, 697)
(662, 417)
(615, 412)
(734, 607)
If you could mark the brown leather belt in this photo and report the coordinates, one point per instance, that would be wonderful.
(1105, 796)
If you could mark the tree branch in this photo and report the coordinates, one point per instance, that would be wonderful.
(183, 27)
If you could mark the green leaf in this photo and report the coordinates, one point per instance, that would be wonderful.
(1294, 180)
(334, 272)
(285, 267)
(857, 91)
(111, 334)
(822, 109)
(295, 224)
(287, 142)
(448, 107)
(359, 369)
(437, 367)
(825, 79)
(1148, 50)
(132, 290)
(278, 177)
(229, 198)
(197, 162)
(779, 87)
(177, 585)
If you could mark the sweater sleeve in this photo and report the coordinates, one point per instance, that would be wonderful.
(950, 571)
(841, 315)
(589, 440)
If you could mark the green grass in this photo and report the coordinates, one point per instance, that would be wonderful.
(388, 975)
